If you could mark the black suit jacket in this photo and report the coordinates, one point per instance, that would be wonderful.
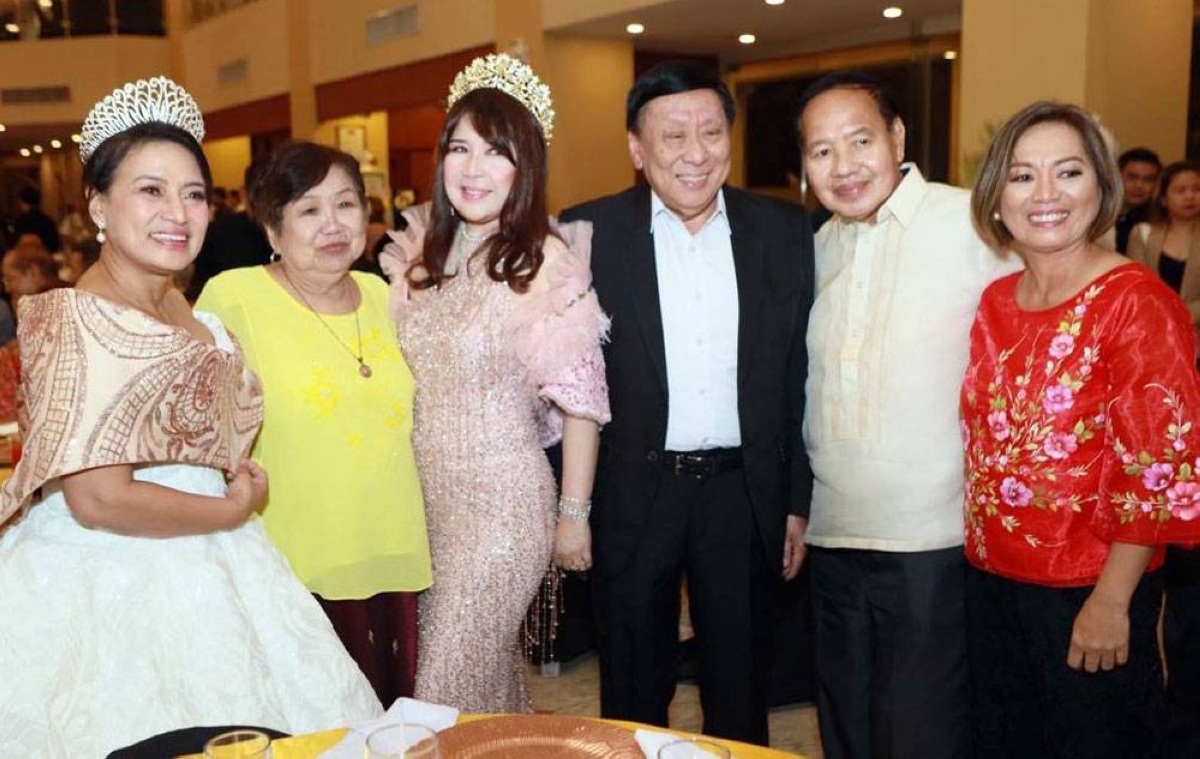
(773, 260)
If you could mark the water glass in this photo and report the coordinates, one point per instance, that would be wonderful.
(693, 748)
(406, 740)
(238, 744)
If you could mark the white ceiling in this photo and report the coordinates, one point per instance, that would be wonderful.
(798, 26)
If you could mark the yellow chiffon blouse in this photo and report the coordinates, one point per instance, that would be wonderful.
(345, 502)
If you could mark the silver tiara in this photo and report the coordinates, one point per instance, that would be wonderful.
(141, 102)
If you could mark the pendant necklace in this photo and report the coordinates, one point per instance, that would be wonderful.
(364, 369)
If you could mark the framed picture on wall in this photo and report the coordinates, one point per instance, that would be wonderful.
(352, 139)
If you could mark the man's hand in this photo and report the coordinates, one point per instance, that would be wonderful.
(794, 549)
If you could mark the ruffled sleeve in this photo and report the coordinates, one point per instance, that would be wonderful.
(557, 334)
(1149, 492)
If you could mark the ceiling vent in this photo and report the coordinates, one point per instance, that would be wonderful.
(232, 73)
(34, 95)
(393, 24)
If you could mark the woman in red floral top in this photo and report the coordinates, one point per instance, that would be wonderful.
(1078, 408)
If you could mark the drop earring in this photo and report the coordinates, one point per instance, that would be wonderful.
(100, 236)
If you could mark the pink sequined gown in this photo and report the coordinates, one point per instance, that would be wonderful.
(491, 366)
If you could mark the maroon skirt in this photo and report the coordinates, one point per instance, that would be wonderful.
(380, 633)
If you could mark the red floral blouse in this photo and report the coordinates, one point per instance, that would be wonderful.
(1077, 422)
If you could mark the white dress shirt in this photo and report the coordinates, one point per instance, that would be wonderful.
(888, 342)
(697, 294)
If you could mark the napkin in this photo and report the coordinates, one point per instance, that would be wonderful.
(354, 744)
(650, 741)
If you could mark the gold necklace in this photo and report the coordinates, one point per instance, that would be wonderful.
(364, 369)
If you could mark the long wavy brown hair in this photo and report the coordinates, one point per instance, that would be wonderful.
(514, 252)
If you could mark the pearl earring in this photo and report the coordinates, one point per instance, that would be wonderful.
(995, 215)
(100, 236)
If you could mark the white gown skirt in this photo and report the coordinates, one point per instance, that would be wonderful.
(106, 640)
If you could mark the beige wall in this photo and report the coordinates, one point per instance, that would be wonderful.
(589, 155)
(376, 125)
(1129, 61)
(1139, 64)
(257, 32)
(339, 47)
(91, 66)
(228, 160)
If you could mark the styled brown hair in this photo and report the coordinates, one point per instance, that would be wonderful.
(1158, 209)
(993, 173)
(293, 170)
(514, 252)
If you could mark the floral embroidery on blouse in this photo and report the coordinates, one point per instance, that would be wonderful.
(1023, 436)
(1076, 428)
(1169, 478)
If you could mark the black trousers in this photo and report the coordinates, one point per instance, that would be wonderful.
(891, 653)
(703, 529)
(1030, 704)
(1181, 644)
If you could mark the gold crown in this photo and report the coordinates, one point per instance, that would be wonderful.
(140, 102)
(509, 75)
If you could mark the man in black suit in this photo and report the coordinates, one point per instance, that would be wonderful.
(702, 471)
(234, 240)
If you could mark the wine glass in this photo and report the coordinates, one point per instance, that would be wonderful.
(693, 748)
(406, 740)
(238, 744)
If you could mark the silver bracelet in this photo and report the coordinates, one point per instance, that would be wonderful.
(575, 508)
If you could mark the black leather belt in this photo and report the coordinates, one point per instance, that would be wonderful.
(702, 464)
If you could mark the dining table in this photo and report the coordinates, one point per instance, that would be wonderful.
(312, 745)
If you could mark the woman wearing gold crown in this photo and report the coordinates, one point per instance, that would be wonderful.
(496, 316)
(140, 594)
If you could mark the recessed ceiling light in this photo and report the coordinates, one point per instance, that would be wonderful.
(25, 152)
(950, 55)
(47, 4)
(893, 11)
(747, 39)
(774, 2)
(635, 28)
(12, 28)
(37, 149)
(3, 128)
(77, 138)
(56, 144)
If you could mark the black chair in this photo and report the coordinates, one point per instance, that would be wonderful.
(189, 740)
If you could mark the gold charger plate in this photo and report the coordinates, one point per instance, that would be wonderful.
(537, 736)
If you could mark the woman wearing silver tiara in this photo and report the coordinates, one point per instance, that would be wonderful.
(497, 319)
(140, 594)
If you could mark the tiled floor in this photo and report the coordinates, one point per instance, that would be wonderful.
(577, 691)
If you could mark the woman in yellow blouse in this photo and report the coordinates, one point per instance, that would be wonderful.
(345, 503)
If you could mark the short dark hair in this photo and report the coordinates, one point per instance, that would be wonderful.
(674, 78)
(102, 165)
(31, 196)
(1139, 155)
(850, 80)
(293, 170)
(993, 172)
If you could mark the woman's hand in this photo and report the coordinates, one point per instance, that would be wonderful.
(1100, 637)
(248, 489)
(573, 544)
(406, 245)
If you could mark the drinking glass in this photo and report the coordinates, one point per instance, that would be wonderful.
(693, 748)
(238, 744)
(406, 740)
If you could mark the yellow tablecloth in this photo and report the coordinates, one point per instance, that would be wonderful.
(311, 746)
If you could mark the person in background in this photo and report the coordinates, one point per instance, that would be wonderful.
(72, 228)
(345, 503)
(495, 311)
(885, 534)
(24, 272)
(139, 593)
(1078, 408)
(703, 473)
(1140, 168)
(234, 240)
(33, 221)
(1169, 241)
